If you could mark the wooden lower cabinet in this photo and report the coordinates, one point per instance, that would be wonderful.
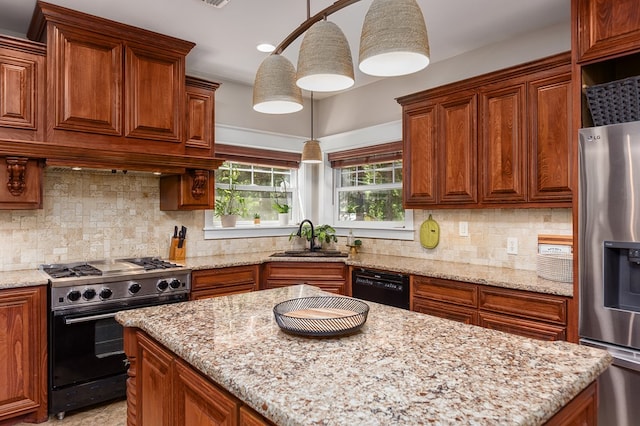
(329, 276)
(23, 351)
(163, 390)
(525, 313)
(443, 310)
(224, 281)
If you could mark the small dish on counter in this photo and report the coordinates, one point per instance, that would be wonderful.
(321, 316)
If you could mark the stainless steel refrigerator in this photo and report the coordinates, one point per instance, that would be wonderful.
(609, 262)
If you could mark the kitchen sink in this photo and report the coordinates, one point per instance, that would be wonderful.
(308, 253)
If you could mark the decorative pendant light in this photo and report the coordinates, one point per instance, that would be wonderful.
(311, 152)
(394, 39)
(274, 89)
(324, 61)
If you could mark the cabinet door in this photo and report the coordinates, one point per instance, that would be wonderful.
(200, 403)
(154, 382)
(457, 149)
(521, 327)
(23, 352)
(86, 82)
(503, 143)
(607, 28)
(200, 107)
(550, 136)
(248, 417)
(419, 167)
(154, 93)
(446, 310)
(17, 91)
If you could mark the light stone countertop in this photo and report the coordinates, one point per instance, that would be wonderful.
(22, 278)
(477, 274)
(401, 368)
(500, 277)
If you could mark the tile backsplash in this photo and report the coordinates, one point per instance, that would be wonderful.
(98, 214)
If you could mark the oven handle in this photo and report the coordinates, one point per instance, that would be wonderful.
(69, 321)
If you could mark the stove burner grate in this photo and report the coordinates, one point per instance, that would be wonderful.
(64, 271)
(152, 263)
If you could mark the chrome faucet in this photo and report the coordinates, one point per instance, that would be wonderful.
(313, 235)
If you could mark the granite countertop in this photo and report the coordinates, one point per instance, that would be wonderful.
(500, 277)
(402, 367)
(477, 274)
(22, 278)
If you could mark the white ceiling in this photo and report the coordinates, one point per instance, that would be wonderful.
(226, 38)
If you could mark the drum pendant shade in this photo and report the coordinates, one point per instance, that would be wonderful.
(311, 152)
(324, 61)
(275, 90)
(394, 39)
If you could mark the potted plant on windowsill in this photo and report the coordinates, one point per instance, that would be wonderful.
(229, 204)
(326, 236)
(256, 218)
(280, 204)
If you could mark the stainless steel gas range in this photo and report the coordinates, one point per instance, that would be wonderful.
(87, 364)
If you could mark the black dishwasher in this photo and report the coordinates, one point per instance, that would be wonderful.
(381, 287)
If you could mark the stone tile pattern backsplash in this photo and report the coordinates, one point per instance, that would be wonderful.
(91, 215)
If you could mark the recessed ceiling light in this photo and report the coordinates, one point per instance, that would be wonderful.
(266, 47)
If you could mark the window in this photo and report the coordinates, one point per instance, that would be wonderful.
(370, 192)
(368, 188)
(258, 186)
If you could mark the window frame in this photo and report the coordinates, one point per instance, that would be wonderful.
(376, 154)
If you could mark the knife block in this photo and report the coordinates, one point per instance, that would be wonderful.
(175, 252)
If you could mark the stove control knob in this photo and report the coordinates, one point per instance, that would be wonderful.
(134, 288)
(74, 295)
(105, 293)
(162, 285)
(89, 294)
(175, 283)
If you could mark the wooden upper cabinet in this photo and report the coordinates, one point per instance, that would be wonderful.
(86, 63)
(503, 143)
(500, 140)
(606, 28)
(440, 151)
(22, 85)
(457, 144)
(200, 116)
(419, 145)
(550, 133)
(111, 86)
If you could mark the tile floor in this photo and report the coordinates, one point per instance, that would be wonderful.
(113, 414)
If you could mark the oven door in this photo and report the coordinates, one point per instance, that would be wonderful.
(85, 346)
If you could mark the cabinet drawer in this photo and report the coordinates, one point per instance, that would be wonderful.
(447, 311)
(524, 304)
(522, 327)
(446, 291)
(224, 277)
(302, 271)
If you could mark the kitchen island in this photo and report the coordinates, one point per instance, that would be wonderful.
(401, 368)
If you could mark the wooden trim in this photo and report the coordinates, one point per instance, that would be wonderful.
(265, 157)
(564, 240)
(385, 152)
(529, 68)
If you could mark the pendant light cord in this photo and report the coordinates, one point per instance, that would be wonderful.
(311, 115)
